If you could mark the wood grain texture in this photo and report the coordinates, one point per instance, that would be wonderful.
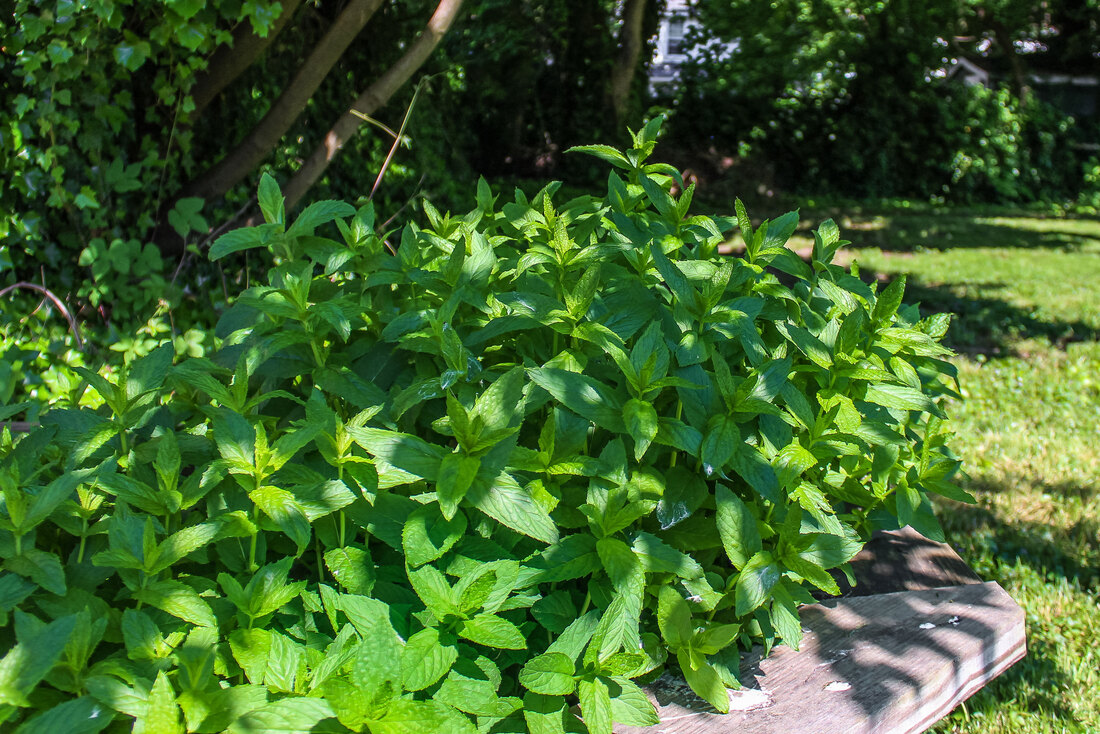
(883, 664)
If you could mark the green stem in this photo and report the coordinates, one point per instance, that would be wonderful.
(587, 602)
(83, 538)
(18, 544)
(320, 559)
(679, 413)
(124, 443)
(252, 554)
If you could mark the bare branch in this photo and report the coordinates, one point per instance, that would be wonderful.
(266, 135)
(230, 61)
(73, 327)
(374, 97)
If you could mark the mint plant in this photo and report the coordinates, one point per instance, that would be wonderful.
(535, 457)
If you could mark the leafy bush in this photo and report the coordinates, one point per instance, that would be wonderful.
(535, 456)
(1012, 152)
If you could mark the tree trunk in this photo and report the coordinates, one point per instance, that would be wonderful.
(248, 154)
(626, 64)
(229, 62)
(1019, 79)
(374, 97)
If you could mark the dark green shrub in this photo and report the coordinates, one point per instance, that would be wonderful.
(533, 457)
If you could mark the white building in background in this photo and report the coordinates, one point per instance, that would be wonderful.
(672, 49)
(675, 22)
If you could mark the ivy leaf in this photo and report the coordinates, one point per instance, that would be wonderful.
(132, 54)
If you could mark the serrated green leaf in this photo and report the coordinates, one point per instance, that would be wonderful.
(162, 713)
(408, 453)
(508, 503)
(82, 715)
(595, 705)
(292, 715)
(737, 527)
(550, 674)
(755, 582)
(427, 535)
(424, 661)
(641, 422)
(40, 567)
(673, 618)
(493, 631)
(32, 657)
(179, 600)
(352, 568)
(888, 301)
(706, 683)
(583, 395)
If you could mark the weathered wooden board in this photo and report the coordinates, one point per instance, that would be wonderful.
(906, 560)
(884, 663)
(889, 663)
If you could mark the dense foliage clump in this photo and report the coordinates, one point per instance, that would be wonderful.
(464, 477)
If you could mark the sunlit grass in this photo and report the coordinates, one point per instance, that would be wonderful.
(1027, 292)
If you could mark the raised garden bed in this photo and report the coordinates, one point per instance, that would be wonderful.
(919, 634)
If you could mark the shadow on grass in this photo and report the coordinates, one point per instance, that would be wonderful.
(1071, 553)
(996, 545)
(984, 324)
(910, 233)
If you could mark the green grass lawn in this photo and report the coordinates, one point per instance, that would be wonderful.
(1027, 295)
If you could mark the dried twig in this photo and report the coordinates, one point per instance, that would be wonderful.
(73, 326)
(396, 141)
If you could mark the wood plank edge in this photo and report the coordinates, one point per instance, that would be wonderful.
(1008, 650)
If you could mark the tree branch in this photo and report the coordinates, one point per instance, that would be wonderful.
(266, 135)
(73, 327)
(229, 62)
(374, 97)
(626, 64)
